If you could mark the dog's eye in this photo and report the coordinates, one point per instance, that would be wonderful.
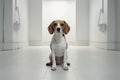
(55, 24)
(61, 24)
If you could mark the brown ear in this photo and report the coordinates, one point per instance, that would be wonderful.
(50, 28)
(67, 28)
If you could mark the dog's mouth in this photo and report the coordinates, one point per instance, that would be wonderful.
(58, 31)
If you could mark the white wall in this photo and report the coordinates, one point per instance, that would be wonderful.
(15, 36)
(117, 10)
(100, 39)
(111, 24)
(1, 22)
(59, 10)
(82, 22)
(35, 22)
(8, 7)
(97, 38)
(20, 33)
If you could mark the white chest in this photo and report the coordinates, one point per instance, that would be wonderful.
(59, 49)
(59, 46)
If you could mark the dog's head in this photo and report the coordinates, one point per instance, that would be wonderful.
(58, 26)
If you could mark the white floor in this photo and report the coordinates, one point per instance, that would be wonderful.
(86, 64)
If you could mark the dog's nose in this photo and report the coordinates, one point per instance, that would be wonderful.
(58, 29)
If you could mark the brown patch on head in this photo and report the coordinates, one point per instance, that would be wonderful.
(51, 27)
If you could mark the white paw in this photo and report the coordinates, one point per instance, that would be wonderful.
(53, 68)
(65, 67)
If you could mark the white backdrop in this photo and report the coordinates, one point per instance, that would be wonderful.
(59, 9)
(43, 12)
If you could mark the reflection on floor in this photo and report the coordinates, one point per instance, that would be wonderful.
(86, 64)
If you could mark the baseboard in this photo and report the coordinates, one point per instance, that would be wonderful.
(117, 45)
(79, 43)
(103, 45)
(0, 46)
(14, 45)
(37, 43)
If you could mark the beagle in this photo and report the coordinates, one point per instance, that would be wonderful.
(58, 44)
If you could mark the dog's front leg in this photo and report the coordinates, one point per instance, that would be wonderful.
(53, 61)
(65, 67)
